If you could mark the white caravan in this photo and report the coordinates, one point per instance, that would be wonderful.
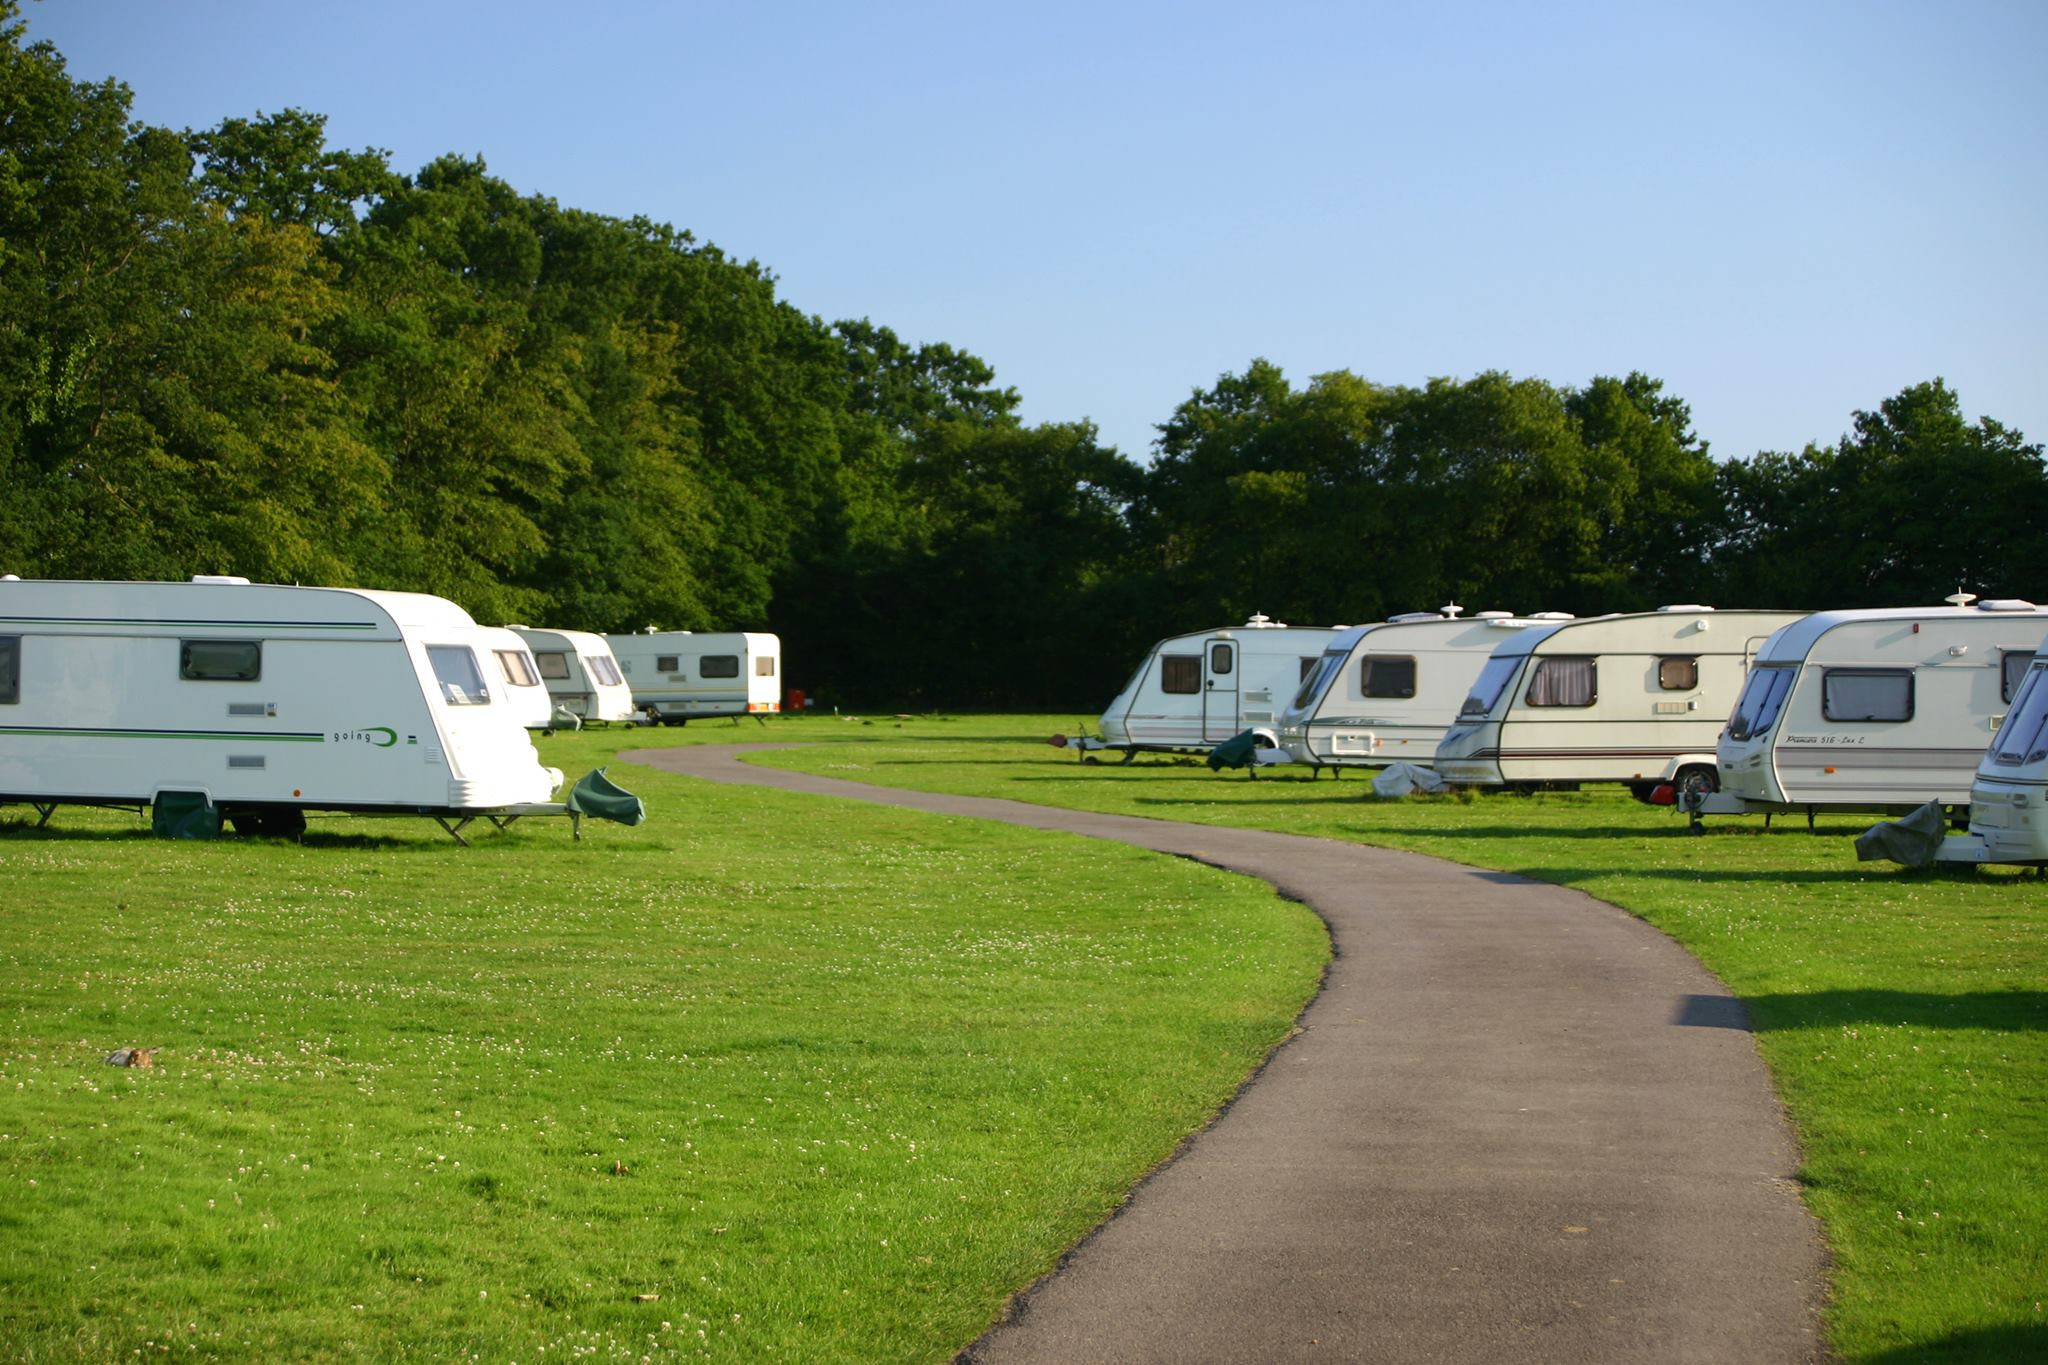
(1386, 693)
(515, 681)
(2009, 798)
(581, 676)
(1636, 698)
(678, 676)
(259, 700)
(1873, 710)
(1194, 691)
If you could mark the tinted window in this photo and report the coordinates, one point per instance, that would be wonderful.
(600, 667)
(1384, 675)
(1867, 694)
(552, 663)
(517, 667)
(1180, 673)
(1221, 658)
(719, 666)
(1678, 675)
(764, 667)
(2024, 736)
(220, 660)
(1308, 666)
(462, 683)
(1317, 678)
(668, 663)
(1493, 680)
(1564, 682)
(1757, 709)
(10, 669)
(2015, 663)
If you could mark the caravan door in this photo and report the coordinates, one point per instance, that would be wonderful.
(1221, 663)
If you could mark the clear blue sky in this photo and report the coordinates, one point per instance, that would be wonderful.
(1784, 211)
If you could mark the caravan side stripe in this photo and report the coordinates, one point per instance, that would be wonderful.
(238, 736)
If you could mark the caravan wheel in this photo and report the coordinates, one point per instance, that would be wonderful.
(1697, 778)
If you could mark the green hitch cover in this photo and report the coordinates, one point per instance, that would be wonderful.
(184, 815)
(595, 794)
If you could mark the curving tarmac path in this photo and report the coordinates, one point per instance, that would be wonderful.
(1518, 1124)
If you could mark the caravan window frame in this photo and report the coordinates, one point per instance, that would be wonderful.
(1691, 675)
(1495, 678)
(602, 668)
(1546, 664)
(193, 667)
(668, 663)
(764, 667)
(454, 691)
(1222, 658)
(10, 670)
(1388, 663)
(719, 666)
(552, 663)
(1827, 694)
(2009, 681)
(1762, 700)
(2022, 737)
(1178, 669)
(1316, 676)
(512, 662)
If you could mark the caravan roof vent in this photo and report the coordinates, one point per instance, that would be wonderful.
(10, 578)
(1494, 616)
(2006, 604)
(1407, 616)
(1552, 616)
(1261, 621)
(1686, 606)
(230, 578)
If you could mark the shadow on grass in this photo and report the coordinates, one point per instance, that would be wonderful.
(1972, 1346)
(1771, 876)
(2016, 1011)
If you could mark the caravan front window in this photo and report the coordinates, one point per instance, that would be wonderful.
(1318, 678)
(1756, 710)
(553, 664)
(513, 664)
(10, 669)
(462, 682)
(600, 667)
(220, 660)
(2024, 736)
(1866, 694)
(1493, 680)
(1180, 674)
(1560, 681)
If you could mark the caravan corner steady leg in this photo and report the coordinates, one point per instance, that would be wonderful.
(455, 830)
(45, 811)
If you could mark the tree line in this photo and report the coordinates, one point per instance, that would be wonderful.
(241, 350)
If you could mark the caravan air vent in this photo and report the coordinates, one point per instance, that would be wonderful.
(2006, 604)
(245, 760)
(229, 578)
(1686, 606)
(1494, 616)
(1552, 616)
(1405, 617)
(10, 578)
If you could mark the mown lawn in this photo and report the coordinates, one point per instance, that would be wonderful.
(764, 1078)
(1904, 1016)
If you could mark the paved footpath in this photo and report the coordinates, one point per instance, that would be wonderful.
(1517, 1124)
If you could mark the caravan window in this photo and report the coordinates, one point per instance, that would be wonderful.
(668, 663)
(1757, 709)
(764, 667)
(719, 666)
(1384, 675)
(1678, 674)
(1180, 673)
(220, 660)
(462, 682)
(10, 669)
(1308, 666)
(1867, 694)
(1560, 681)
(1221, 658)
(1493, 680)
(600, 667)
(553, 664)
(513, 664)
(2024, 736)
(1318, 676)
(2015, 662)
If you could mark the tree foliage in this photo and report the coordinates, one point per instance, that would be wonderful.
(242, 350)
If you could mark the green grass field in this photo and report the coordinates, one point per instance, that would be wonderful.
(1904, 1016)
(830, 1082)
(763, 1078)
